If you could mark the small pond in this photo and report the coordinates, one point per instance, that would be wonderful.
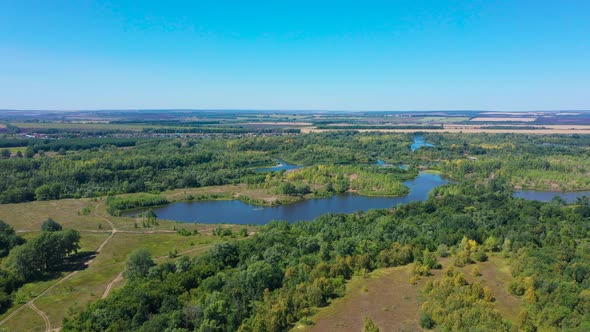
(281, 166)
(419, 142)
(547, 196)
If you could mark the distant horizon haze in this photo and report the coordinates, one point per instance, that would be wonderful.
(289, 110)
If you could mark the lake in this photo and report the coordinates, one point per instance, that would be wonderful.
(237, 212)
(547, 196)
(419, 142)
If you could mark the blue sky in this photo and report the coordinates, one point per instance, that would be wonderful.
(339, 55)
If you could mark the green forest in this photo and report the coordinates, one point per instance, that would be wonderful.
(278, 276)
(551, 162)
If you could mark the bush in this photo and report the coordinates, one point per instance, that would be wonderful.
(370, 326)
(426, 320)
(50, 225)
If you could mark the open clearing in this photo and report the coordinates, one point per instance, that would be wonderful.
(88, 285)
(388, 298)
(25, 320)
(67, 291)
(13, 150)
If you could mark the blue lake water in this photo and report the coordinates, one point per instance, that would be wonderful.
(237, 212)
(419, 142)
(382, 163)
(547, 196)
(281, 166)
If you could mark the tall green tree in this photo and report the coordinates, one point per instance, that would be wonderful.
(138, 264)
(8, 238)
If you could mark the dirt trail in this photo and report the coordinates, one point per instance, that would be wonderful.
(110, 285)
(42, 314)
(31, 304)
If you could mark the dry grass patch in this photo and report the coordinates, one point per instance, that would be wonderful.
(393, 303)
(29, 216)
(495, 274)
(385, 295)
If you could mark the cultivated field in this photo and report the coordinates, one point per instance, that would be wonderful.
(459, 128)
(503, 119)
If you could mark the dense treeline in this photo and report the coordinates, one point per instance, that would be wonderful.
(168, 164)
(151, 166)
(117, 204)
(68, 144)
(551, 162)
(537, 162)
(8, 239)
(276, 278)
(326, 180)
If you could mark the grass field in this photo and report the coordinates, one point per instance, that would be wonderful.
(495, 274)
(26, 217)
(88, 285)
(14, 150)
(25, 321)
(56, 296)
(385, 296)
(388, 298)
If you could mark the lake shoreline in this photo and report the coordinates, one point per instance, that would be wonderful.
(235, 211)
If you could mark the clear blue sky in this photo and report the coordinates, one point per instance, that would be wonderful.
(346, 55)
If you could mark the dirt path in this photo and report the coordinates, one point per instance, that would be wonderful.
(110, 285)
(103, 217)
(42, 314)
(31, 304)
(104, 243)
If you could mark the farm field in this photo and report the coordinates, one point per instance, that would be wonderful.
(504, 119)
(76, 125)
(475, 129)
